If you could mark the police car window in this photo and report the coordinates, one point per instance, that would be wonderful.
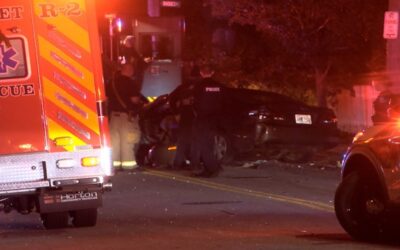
(13, 63)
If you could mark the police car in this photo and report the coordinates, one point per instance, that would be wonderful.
(367, 201)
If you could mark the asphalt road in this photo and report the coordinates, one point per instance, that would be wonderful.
(272, 207)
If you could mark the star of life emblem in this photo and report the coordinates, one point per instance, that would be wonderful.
(6, 58)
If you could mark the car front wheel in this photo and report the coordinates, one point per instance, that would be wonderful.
(360, 207)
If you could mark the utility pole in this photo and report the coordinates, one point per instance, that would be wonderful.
(153, 10)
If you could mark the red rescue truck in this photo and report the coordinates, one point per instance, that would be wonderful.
(54, 141)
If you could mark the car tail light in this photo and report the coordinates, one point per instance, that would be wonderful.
(259, 114)
(264, 114)
(328, 118)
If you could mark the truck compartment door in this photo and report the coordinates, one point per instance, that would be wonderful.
(67, 57)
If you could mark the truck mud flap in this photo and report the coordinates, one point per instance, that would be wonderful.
(69, 201)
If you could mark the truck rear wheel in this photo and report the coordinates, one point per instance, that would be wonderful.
(55, 220)
(84, 218)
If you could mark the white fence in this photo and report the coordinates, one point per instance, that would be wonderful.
(354, 111)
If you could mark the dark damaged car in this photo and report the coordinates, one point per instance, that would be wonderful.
(250, 119)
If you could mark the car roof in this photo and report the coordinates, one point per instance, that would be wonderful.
(259, 96)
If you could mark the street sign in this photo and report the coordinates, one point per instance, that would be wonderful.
(391, 25)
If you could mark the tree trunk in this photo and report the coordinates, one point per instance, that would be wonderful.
(320, 84)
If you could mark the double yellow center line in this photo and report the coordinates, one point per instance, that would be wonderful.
(244, 191)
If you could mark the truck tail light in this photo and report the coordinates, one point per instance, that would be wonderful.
(90, 161)
(66, 163)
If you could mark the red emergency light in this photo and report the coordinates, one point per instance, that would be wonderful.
(119, 25)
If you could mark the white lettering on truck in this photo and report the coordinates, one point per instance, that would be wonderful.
(81, 196)
(51, 10)
(10, 13)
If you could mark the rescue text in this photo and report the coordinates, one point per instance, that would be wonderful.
(16, 90)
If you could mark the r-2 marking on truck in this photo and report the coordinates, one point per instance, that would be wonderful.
(52, 10)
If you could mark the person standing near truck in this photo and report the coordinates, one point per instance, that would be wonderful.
(125, 103)
(181, 100)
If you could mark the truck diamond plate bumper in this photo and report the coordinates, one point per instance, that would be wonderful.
(14, 187)
(21, 174)
(27, 172)
(21, 171)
